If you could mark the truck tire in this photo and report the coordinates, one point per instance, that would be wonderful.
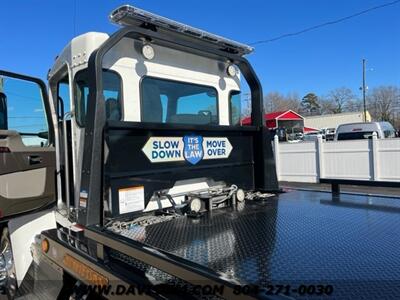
(8, 281)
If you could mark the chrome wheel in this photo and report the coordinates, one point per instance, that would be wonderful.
(8, 282)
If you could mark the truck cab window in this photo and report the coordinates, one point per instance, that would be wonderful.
(389, 133)
(166, 101)
(63, 96)
(234, 107)
(112, 91)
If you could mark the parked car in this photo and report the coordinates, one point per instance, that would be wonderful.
(312, 136)
(329, 133)
(356, 131)
(299, 136)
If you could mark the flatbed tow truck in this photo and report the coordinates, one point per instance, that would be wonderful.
(162, 194)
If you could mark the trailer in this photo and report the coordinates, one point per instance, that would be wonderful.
(159, 192)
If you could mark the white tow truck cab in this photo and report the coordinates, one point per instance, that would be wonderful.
(145, 124)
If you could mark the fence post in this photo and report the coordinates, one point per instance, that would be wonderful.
(276, 153)
(319, 158)
(374, 157)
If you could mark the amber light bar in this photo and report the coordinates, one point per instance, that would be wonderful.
(128, 15)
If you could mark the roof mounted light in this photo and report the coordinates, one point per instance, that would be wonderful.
(231, 70)
(148, 51)
(128, 15)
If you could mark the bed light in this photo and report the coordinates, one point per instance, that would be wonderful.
(231, 70)
(240, 195)
(195, 205)
(148, 52)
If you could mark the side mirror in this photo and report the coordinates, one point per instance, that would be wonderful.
(44, 135)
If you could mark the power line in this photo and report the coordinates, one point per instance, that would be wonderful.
(325, 24)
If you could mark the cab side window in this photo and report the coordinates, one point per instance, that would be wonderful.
(389, 133)
(63, 96)
(112, 91)
(235, 107)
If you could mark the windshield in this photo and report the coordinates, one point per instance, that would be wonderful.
(167, 101)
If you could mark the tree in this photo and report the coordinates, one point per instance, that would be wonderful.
(383, 102)
(340, 97)
(327, 106)
(354, 105)
(293, 102)
(310, 104)
(275, 101)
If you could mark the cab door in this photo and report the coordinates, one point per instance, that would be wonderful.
(27, 153)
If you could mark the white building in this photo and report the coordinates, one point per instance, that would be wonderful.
(333, 120)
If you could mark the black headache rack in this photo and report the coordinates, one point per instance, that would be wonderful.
(128, 165)
(253, 155)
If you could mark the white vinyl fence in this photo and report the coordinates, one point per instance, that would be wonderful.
(374, 159)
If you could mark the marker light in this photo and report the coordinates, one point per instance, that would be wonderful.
(45, 245)
(84, 271)
(127, 15)
(148, 52)
(231, 70)
(240, 195)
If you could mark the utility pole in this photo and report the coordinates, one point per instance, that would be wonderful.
(364, 90)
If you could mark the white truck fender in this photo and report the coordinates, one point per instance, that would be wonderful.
(22, 234)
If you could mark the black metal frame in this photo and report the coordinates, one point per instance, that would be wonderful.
(93, 160)
(45, 98)
(172, 264)
(337, 182)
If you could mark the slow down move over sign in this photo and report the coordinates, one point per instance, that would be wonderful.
(192, 148)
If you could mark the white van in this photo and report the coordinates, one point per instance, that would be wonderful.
(356, 131)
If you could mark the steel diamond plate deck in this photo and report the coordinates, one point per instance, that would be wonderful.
(299, 238)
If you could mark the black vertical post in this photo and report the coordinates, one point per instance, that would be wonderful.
(264, 162)
(364, 91)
